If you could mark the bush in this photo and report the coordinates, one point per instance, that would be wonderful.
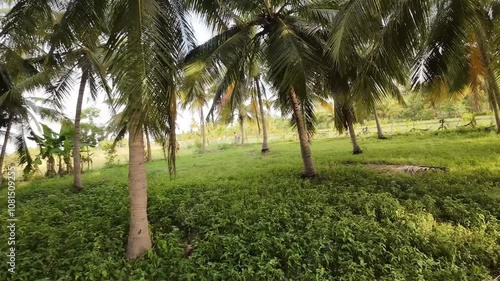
(225, 146)
(111, 155)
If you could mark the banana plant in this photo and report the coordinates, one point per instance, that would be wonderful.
(55, 146)
(51, 145)
(68, 131)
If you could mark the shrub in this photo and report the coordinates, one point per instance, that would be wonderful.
(111, 155)
(225, 146)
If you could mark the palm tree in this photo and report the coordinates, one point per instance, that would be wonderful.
(195, 98)
(380, 132)
(257, 87)
(344, 105)
(88, 62)
(72, 49)
(397, 98)
(92, 73)
(7, 117)
(369, 50)
(250, 79)
(445, 43)
(281, 35)
(244, 112)
(467, 37)
(354, 90)
(145, 42)
(19, 76)
(146, 50)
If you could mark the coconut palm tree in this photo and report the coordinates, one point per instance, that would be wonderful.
(259, 92)
(281, 35)
(93, 73)
(146, 46)
(19, 76)
(87, 62)
(355, 90)
(460, 49)
(444, 43)
(196, 98)
(146, 40)
(380, 132)
(251, 79)
(74, 50)
(244, 112)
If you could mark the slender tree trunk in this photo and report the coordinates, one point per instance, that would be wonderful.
(265, 147)
(492, 85)
(380, 133)
(494, 105)
(77, 172)
(148, 144)
(173, 144)
(305, 149)
(60, 169)
(493, 97)
(202, 129)
(355, 146)
(242, 130)
(4, 147)
(306, 128)
(139, 240)
(88, 159)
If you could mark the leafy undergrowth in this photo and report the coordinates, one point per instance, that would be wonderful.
(250, 217)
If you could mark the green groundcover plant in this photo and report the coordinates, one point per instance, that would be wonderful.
(234, 215)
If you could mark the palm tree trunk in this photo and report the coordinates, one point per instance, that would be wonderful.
(202, 129)
(148, 144)
(380, 133)
(305, 149)
(4, 147)
(355, 146)
(77, 172)
(139, 240)
(88, 159)
(492, 85)
(493, 97)
(173, 144)
(265, 147)
(495, 105)
(242, 130)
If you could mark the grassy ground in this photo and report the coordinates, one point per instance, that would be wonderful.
(250, 217)
(188, 147)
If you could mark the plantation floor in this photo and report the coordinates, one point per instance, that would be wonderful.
(250, 217)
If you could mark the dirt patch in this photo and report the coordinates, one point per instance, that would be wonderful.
(409, 169)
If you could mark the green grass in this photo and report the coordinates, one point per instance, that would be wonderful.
(252, 218)
(188, 145)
